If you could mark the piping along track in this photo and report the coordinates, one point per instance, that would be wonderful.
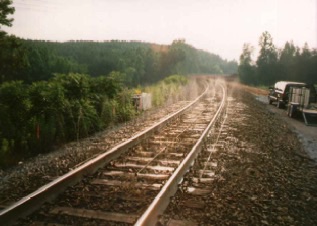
(133, 183)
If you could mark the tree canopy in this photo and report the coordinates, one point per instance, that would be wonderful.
(142, 63)
(274, 64)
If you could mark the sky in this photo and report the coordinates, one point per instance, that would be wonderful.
(217, 26)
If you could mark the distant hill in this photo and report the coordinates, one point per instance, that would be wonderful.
(141, 62)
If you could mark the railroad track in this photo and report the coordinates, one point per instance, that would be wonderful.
(134, 181)
(188, 205)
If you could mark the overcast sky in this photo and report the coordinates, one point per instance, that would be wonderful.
(217, 26)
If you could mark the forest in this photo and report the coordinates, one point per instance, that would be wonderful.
(274, 64)
(55, 92)
(52, 93)
(142, 63)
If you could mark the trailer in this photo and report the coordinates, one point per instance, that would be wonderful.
(302, 100)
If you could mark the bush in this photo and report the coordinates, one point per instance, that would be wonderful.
(166, 91)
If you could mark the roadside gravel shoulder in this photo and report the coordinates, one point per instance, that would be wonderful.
(307, 135)
(287, 172)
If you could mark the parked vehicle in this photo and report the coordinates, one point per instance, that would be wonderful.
(280, 92)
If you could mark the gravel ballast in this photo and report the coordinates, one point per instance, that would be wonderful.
(263, 177)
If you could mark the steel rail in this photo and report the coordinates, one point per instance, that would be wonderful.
(213, 147)
(161, 201)
(33, 201)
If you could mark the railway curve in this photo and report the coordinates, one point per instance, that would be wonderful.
(133, 182)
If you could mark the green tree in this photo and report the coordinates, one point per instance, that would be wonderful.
(287, 62)
(306, 65)
(13, 59)
(267, 60)
(246, 67)
(76, 86)
(14, 114)
(79, 115)
(5, 10)
(124, 109)
(170, 60)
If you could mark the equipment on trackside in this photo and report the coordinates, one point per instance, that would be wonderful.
(303, 100)
(142, 101)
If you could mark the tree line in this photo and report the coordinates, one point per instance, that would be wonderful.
(273, 64)
(32, 60)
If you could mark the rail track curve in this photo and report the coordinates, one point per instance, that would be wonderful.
(133, 182)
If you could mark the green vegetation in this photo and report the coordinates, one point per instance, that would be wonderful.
(165, 89)
(44, 114)
(52, 93)
(290, 63)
